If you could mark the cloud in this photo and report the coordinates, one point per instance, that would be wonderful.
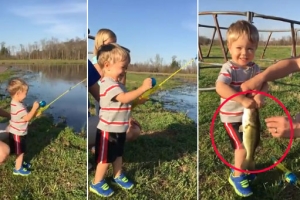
(57, 9)
(59, 19)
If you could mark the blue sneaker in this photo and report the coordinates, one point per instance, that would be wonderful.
(25, 164)
(101, 189)
(123, 182)
(240, 185)
(22, 172)
(251, 177)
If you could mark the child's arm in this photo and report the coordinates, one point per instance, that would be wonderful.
(127, 97)
(225, 91)
(32, 112)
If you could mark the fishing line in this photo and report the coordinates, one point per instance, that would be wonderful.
(156, 87)
(40, 110)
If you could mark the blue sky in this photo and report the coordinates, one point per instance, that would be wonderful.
(28, 21)
(148, 27)
(285, 9)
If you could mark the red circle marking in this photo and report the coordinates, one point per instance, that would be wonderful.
(291, 132)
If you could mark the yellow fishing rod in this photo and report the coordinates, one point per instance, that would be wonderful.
(149, 92)
(289, 176)
(42, 103)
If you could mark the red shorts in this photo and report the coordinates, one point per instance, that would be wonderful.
(109, 146)
(236, 137)
(17, 143)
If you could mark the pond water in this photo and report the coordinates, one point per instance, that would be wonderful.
(181, 99)
(48, 82)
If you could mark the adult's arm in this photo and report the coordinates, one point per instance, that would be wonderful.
(94, 91)
(93, 78)
(5, 114)
(276, 71)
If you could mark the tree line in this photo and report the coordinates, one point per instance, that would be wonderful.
(283, 41)
(48, 49)
(157, 65)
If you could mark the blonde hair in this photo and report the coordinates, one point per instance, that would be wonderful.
(102, 36)
(15, 85)
(242, 27)
(112, 53)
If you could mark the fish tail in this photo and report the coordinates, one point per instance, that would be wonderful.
(249, 164)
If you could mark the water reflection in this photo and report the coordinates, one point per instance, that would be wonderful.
(48, 82)
(182, 99)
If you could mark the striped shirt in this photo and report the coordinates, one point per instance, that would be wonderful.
(17, 125)
(114, 115)
(234, 75)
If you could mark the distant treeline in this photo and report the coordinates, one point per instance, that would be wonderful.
(73, 49)
(283, 41)
(157, 65)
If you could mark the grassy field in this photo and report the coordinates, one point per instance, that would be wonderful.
(163, 160)
(58, 158)
(272, 52)
(213, 174)
(41, 62)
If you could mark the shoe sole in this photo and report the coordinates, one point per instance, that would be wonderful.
(97, 193)
(18, 174)
(124, 187)
(236, 190)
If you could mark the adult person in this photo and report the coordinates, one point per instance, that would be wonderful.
(278, 126)
(4, 148)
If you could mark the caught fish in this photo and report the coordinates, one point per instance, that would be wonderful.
(251, 135)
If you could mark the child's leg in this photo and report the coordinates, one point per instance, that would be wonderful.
(238, 179)
(119, 176)
(104, 155)
(18, 147)
(117, 166)
(100, 172)
(239, 157)
(19, 161)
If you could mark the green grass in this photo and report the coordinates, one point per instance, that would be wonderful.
(163, 160)
(214, 174)
(41, 62)
(272, 52)
(58, 158)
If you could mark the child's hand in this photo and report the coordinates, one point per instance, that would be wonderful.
(260, 100)
(35, 105)
(248, 103)
(147, 84)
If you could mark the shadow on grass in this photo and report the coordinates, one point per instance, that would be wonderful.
(162, 164)
(41, 132)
